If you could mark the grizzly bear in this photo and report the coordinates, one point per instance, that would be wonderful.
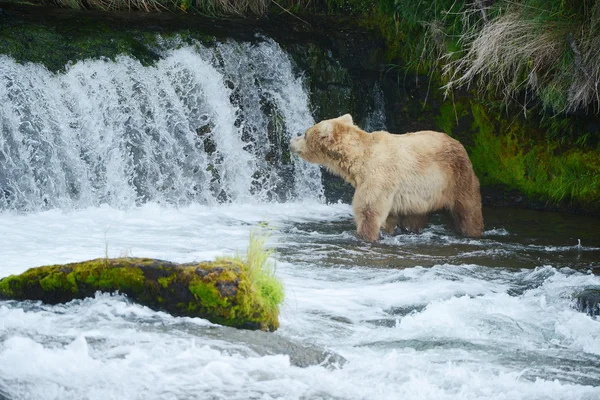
(399, 180)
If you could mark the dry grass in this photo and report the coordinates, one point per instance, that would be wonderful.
(515, 52)
(209, 7)
(585, 80)
(507, 54)
(236, 7)
(120, 5)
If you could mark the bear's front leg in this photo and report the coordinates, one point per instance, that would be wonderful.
(368, 226)
(370, 213)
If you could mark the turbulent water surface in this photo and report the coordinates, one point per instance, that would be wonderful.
(180, 161)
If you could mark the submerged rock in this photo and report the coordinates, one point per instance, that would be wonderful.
(588, 301)
(227, 291)
(263, 344)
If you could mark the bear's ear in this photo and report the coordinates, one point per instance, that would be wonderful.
(325, 130)
(347, 119)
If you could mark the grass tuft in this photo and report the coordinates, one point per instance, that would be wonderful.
(259, 288)
(261, 272)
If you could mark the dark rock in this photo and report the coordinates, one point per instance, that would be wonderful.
(201, 272)
(503, 196)
(227, 288)
(336, 189)
(403, 311)
(588, 301)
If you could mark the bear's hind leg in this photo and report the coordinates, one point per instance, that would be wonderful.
(467, 219)
(414, 223)
(390, 223)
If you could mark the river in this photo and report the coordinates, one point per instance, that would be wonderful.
(179, 161)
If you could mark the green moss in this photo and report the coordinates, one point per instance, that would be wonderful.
(166, 281)
(58, 281)
(231, 291)
(124, 279)
(511, 153)
(449, 114)
(208, 295)
(106, 275)
(72, 40)
(10, 287)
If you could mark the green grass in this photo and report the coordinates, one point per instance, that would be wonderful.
(257, 276)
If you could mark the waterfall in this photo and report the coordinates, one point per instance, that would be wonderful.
(203, 124)
(375, 120)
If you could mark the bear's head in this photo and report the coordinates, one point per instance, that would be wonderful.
(318, 144)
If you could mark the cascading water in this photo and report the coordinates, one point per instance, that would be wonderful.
(375, 120)
(202, 125)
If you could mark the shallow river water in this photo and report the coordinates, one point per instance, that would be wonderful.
(429, 316)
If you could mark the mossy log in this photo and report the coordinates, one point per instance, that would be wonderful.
(220, 291)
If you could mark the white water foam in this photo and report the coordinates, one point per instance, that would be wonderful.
(447, 332)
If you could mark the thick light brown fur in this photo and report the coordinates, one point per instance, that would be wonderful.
(399, 179)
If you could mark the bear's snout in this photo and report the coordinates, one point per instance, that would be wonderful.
(296, 144)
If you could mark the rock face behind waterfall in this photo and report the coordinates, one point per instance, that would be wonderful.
(223, 291)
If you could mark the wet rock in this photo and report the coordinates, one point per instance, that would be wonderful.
(227, 288)
(264, 344)
(301, 355)
(384, 322)
(588, 301)
(405, 310)
(336, 189)
(341, 319)
(206, 290)
(396, 314)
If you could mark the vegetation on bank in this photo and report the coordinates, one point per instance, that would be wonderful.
(519, 154)
(526, 51)
(521, 80)
(232, 291)
(526, 75)
(516, 80)
(519, 84)
(531, 51)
